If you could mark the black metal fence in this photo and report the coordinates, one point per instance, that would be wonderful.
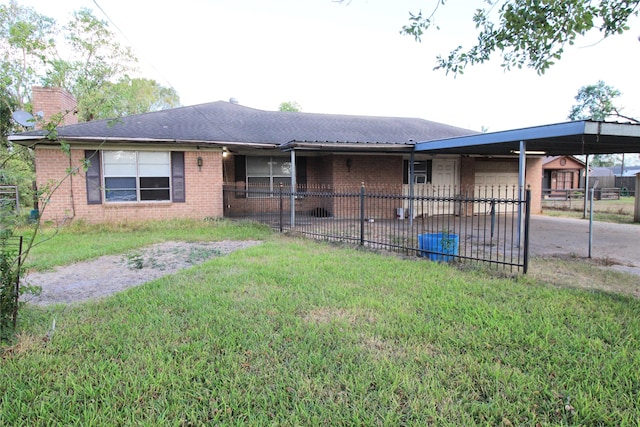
(447, 224)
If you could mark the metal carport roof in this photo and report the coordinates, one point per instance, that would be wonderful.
(570, 138)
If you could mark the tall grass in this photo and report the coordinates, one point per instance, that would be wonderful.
(295, 332)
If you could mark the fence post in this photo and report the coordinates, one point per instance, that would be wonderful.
(527, 221)
(281, 208)
(362, 214)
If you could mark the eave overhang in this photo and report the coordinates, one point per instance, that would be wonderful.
(347, 147)
(31, 141)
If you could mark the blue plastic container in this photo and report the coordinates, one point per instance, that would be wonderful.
(438, 246)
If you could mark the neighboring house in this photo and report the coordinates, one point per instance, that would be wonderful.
(560, 174)
(600, 171)
(175, 163)
(629, 171)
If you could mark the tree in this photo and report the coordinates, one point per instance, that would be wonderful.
(140, 95)
(596, 102)
(290, 106)
(98, 74)
(528, 32)
(98, 60)
(26, 40)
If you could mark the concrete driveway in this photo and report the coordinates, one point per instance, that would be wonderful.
(619, 243)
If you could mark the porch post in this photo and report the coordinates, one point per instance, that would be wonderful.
(522, 167)
(411, 179)
(292, 202)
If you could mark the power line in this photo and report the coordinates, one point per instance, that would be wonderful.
(131, 44)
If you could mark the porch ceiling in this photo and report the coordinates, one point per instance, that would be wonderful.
(571, 138)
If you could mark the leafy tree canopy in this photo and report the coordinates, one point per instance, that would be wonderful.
(596, 102)
(530, 33)
(97, 71)
(290, 106)
(26, 41)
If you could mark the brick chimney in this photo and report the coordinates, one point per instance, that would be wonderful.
(53, 100)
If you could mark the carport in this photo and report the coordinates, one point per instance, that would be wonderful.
(584, 137)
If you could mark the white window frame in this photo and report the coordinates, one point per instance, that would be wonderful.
(277, 173)
(137, 170)
(421, 173)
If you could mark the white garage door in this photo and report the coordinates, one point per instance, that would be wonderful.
(496, 180)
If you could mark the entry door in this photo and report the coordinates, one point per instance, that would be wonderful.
(445, 184)
(444, 173)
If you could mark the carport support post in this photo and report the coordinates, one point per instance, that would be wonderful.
(522, 167)
(586, 186)
(636, 211)
(591, 193)
(292, 202)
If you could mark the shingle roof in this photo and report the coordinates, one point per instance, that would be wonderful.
(226, 122)
(548, 159)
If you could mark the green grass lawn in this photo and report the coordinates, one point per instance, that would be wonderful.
(618, 211)
(296, 332)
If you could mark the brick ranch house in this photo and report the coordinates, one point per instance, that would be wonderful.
(175, 163)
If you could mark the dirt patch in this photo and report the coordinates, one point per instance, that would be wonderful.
(113, 273)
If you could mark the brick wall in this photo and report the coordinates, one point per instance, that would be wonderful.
(376, 172)
(69, 200)
(346, 172)
(319, 171)
(51, 101)
(533, 179)
(372, 170)
(329, 171)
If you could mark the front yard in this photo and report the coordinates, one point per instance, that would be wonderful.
(618, 211)
(296, 332)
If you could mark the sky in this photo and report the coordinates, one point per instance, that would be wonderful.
(350, 58)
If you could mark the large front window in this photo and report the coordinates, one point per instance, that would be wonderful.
(565, 180)
(132, 176)
(266, 173)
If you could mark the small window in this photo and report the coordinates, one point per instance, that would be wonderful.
(421, 172)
